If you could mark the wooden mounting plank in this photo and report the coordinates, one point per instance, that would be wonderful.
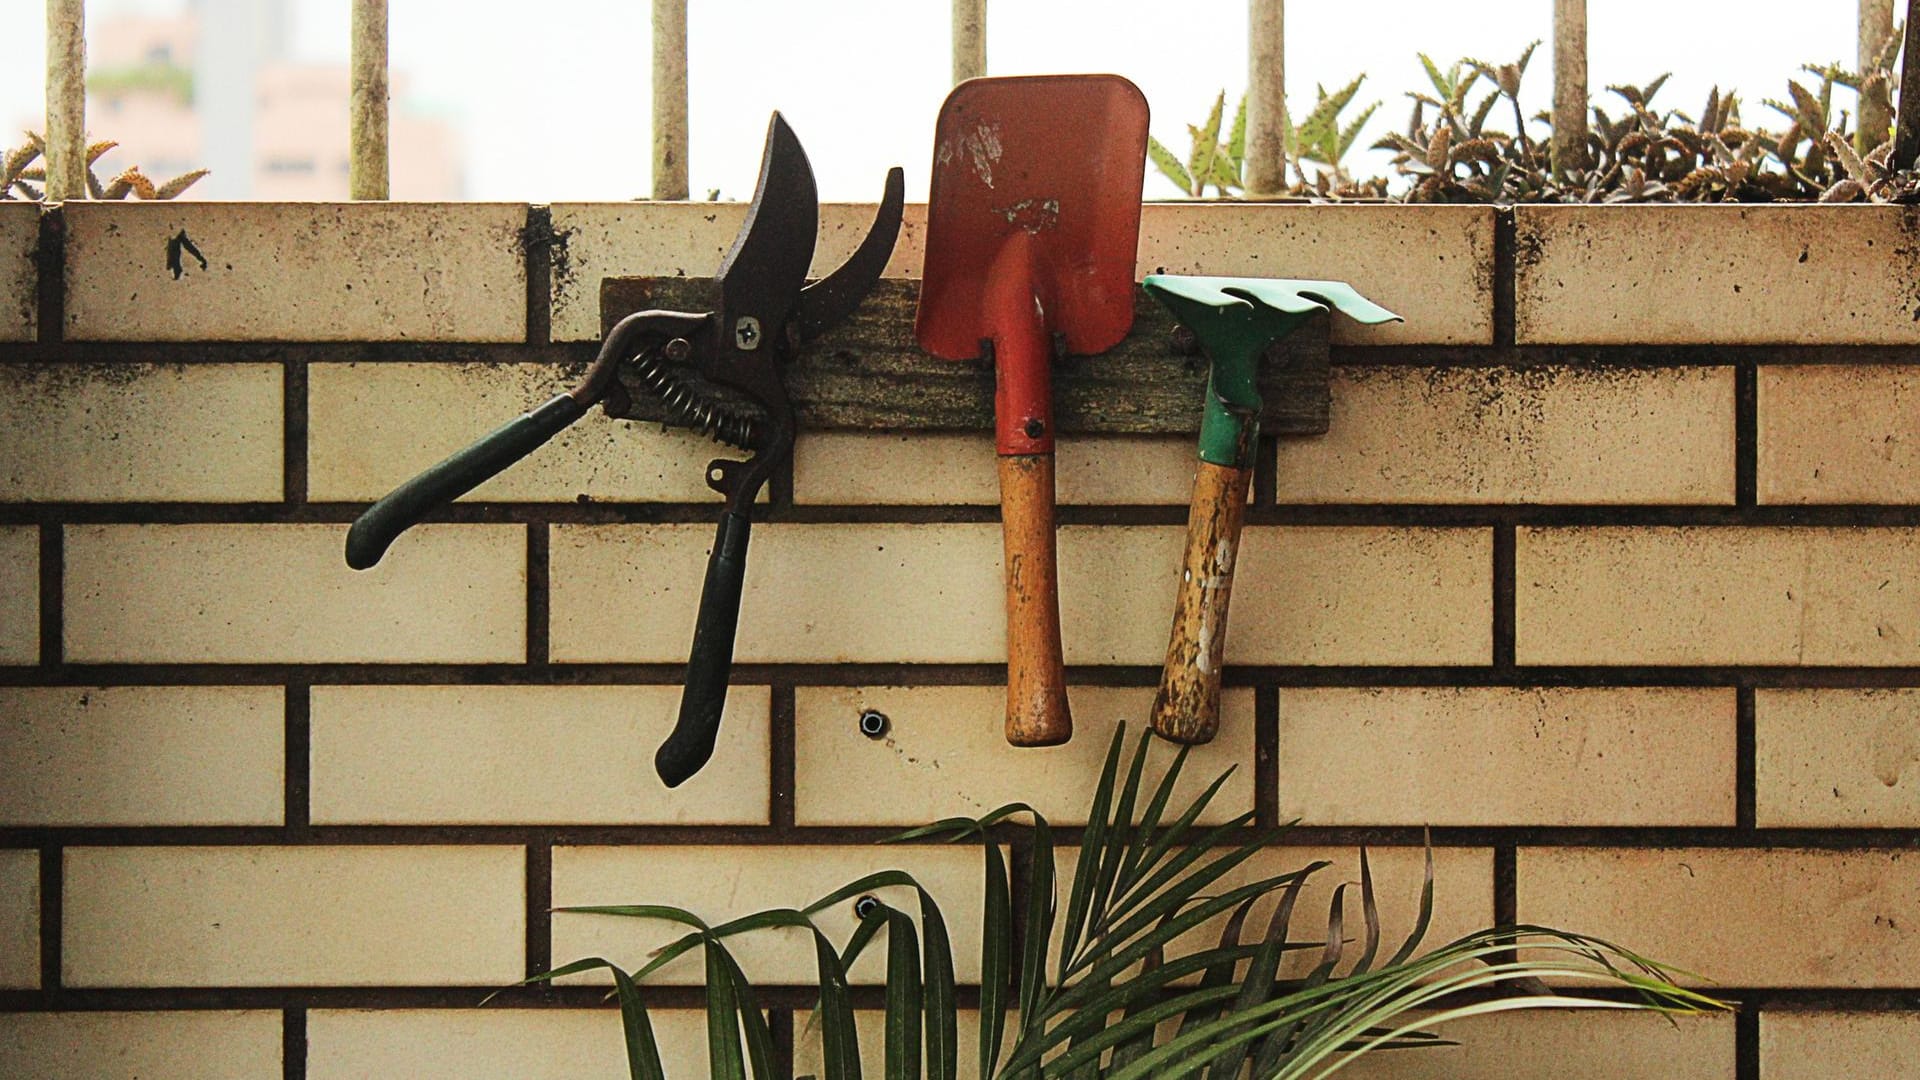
(869, 372)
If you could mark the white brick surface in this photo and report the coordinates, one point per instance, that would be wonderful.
(499, 755)
(19, 918)
(294, 916)
(373, 271)
(140, 432)
(186, 1044)
(19, 282)
(142, 755)
(19, 595)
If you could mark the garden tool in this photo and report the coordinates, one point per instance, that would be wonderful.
(1235, 320)
(736, 395)
(1032, 220)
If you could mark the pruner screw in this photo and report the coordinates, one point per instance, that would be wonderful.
(864, 907)
(678, 349)
(746, 333)
(874, 723)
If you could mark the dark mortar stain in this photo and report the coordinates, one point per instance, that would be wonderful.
(57, 379)
(536, 238)
(1908, 251)
(176, 245)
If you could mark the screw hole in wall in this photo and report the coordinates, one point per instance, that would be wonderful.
(874, 723)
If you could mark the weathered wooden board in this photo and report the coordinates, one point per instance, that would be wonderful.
(869, 373)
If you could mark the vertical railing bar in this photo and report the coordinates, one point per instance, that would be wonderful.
(969, 40)
(66, 148)
(367, 169)
(1569, 149)
(1266, 150)
(670, 99)
(1906, 136)
(1876, 118)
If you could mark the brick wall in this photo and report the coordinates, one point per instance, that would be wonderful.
(1608, 570)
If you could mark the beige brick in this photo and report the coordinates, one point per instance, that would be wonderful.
(653, 239)
(469, 1044)
(1715, 595)
(1838, 1045)
(1761, 918)
(1518, 435)
(1724, 275)
(294, 916)
(140, 432)
(948, 469)
(819, 593)
(1431, 264)
(186, 1044)
(1499, 756)
(19, 595)
(297, 272)
(1837, 758)
(197, 594)
(142, 755)
(720, 883)
(1565, 1044)
(501, 755)
(19, 281)
(946, 754)
(372, 426)
(933, 594)
(19, 919)
(1313, 595)
(1839, 434)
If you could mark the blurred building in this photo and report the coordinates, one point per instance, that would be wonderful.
(215, 88)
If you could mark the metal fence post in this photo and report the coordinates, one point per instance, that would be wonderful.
(1876, 118)
(367, 168)
(1266, 150)
(669, 99)
(1569, 149)
(969, 39)
(1906, 134)
(66, 151)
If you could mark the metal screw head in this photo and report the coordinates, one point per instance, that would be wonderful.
(678, 349)
(864, 907)
(746, 333)
(874, 723)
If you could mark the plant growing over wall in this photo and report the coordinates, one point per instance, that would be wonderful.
(1107, 1001)
(19, 174)
(1322, 137)
(1456, 148)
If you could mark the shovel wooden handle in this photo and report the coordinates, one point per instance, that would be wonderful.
(1037, 712)
(1187, 709)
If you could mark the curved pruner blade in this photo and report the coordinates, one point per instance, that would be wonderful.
(831, 299)
(765, 268)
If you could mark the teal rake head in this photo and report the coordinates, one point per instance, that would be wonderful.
(1235, 320)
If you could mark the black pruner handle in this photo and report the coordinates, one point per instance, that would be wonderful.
(465, 470)
(710, 664)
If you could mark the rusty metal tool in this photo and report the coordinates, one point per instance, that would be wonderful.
(1236, 320)
(1032, 220)
(736, 395)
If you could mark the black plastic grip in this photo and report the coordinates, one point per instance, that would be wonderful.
(465, 470)
(710, 663)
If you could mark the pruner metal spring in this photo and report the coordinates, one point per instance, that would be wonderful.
(687, 405)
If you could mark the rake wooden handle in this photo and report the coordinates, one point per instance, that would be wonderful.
(1187, 709)
(1037, 712)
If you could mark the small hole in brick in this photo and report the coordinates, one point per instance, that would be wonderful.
(865, 906)
(874, 723)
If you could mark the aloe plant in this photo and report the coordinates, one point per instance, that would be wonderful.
(1322, 138)
(1106, 1001)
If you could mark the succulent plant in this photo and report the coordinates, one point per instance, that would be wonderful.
(19, 174)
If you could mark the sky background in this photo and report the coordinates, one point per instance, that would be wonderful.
(551, 98)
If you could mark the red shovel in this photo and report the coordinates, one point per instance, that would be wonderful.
(1032, 221)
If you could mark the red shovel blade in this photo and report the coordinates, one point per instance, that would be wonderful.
(1059, 158)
